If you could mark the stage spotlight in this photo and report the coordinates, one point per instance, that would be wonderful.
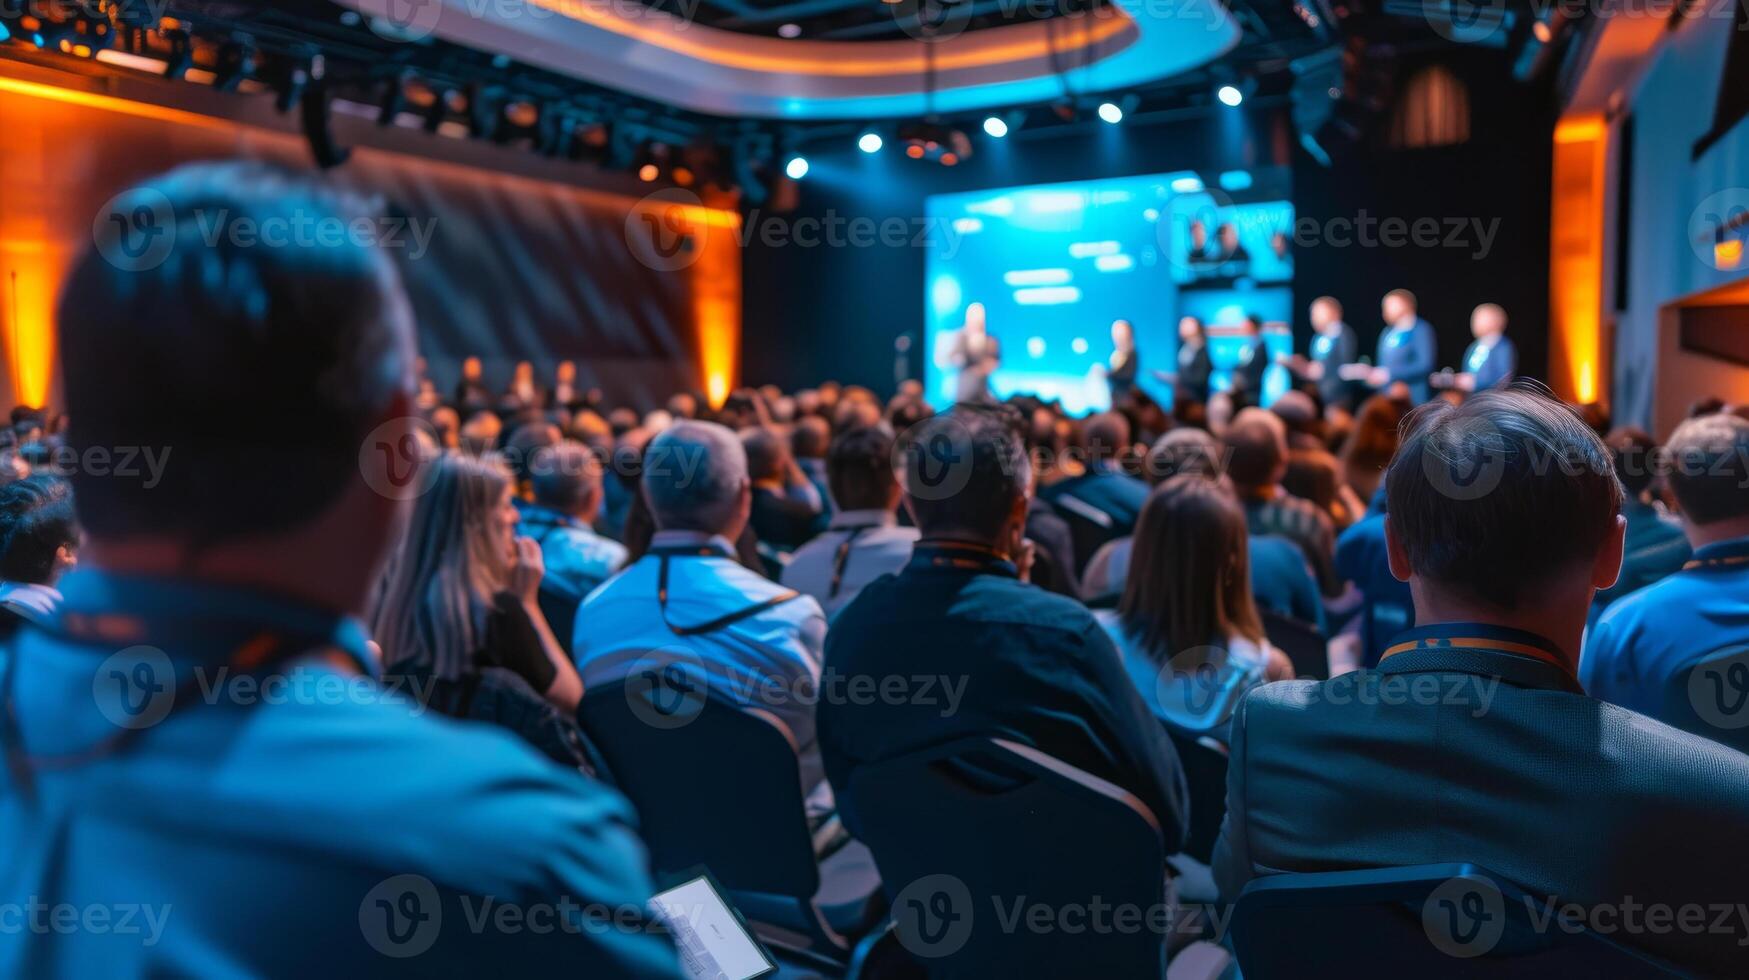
(995, 127)
(789, 31)
(1110, 112)
(796, 168)
(869, 143)
(649, 172)
(1230, 95)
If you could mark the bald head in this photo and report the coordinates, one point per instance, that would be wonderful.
(695, 479)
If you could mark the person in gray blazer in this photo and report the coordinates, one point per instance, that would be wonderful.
(1472, 740)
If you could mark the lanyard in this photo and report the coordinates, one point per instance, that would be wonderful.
(843, 556)
(1722, 561)
(728, 619)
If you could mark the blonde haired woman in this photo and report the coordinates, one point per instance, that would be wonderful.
(1186, 624)
(458, 621)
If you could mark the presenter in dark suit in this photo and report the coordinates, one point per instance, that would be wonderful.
(974, 354)
(1190, 383)
(1120, 373)
(1247, 385)
(1334, 346)
(1407, 348)
(1472, 741)
(1492, 359)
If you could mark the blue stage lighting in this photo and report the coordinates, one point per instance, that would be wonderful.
(796, 168)
(994, 126)
(869, 143)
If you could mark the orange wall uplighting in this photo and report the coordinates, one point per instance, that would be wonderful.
(1578, 355)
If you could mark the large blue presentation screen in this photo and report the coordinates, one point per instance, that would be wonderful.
(1053, 265)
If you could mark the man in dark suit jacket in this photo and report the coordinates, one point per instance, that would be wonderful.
(1472, 741)
(1031, 666)
(1104, 497)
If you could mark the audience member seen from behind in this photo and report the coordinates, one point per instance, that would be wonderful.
(1503, 760)
(1371, 445)
(267, 368)
(568, 488)
(1643, 653)
(1256, 447)
(1655, 545)
(864, 540)
(1029, 665)
(688, 600)
(786, 509)
(459, 622)
(39, 541)
(1186, 624)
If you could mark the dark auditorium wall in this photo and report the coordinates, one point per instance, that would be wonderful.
(835, 311)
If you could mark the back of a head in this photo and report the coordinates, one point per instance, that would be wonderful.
(1708, 458)
(811, 438)
(1256, 444)
(1500, 495)
(1189, 575)
(1107, 435)
(1183, 451)
(263, 366)
(859, 469)
(692, 477)
(523, 444)
(767, 456)
(1635, 453)
(1377, 432)
(965, 470)
(36, 521)
(565, 477)
(480, 433)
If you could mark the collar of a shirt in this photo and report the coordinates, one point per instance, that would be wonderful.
(874, 517)
(689, 539)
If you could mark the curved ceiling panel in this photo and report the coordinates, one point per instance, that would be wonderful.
(652, 54)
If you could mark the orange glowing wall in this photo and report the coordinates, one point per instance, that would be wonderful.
(1578, 355)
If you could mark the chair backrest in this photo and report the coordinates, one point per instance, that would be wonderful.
(1089, 527)
(1710, 698)
(1429, 922)
(1305, 646)
(714, 784)
(998, 860)
(1205, 776)
(559, 603)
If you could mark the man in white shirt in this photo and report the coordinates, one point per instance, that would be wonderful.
(688, 604)
(864, 540)
(567, 498)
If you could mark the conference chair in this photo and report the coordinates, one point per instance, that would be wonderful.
(1711, 698)
(1205, 776)
(558, 604)
(717, 785)
(993, 856)
(1306, 647)
(1429, 922)
(1089, 527)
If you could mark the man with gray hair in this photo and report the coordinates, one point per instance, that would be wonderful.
(688, 603)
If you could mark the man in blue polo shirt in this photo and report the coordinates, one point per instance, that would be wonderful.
(202, 778)
(1678, 650)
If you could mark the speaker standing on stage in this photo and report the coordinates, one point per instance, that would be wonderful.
(1190, 383)
(1247, 386)
(975, 354)
(1120, 376)
(1334, 346)
(1492, 359)
(1407, 348)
